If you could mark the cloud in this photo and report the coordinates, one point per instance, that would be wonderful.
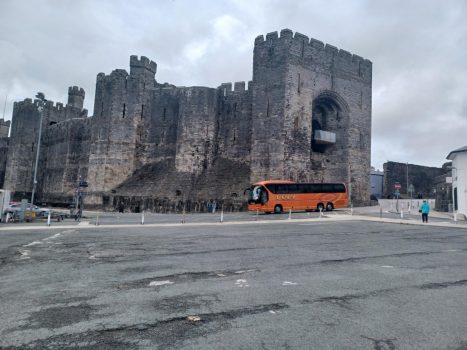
(417, 49)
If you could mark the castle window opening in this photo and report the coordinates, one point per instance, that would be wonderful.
(164, 114)
(267, 110)
(299, 82)
(124, 110)
(142, 112)
(178, 193)
(102, 109)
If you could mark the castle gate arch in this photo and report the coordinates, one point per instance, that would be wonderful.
(329, 111)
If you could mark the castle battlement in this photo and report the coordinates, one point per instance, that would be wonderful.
(143, 62)
(151, 146)
(76, 91)
(239, 87)
(301, 45)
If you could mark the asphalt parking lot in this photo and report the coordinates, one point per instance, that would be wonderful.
(276, 285)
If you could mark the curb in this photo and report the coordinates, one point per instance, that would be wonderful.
(327, 218)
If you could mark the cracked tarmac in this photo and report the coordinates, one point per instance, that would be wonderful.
(329, 285)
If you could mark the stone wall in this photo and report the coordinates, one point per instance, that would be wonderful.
(152, 145)
(422, 177)
(23, 142)
(66, 147)
(301, 85)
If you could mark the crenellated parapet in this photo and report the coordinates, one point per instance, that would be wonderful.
(76, 97)
(239, 88)
(4, 127)
(138, 65)
(311, 51)
(76, 91)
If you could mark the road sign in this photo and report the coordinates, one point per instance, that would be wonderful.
(397, 186)
(411, 188)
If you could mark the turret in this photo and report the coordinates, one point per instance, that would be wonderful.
(142, 66)
(76, 97)
(4, 127)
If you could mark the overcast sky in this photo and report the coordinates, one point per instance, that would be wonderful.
(418, 50)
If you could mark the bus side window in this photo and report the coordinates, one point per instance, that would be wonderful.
(340, 188)
(293, 189)
(282, 189)
(272, 188)
(302, 188)
(314, 188)
(327, 188)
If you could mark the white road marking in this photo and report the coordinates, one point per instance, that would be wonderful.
(240, 271)
(32, 243)
(451, 250)
(272, 311)
(24, 254)
(159, 283)
(287, 283)
(241, 283)
(388, 266)
(52, 237)
(221, 275)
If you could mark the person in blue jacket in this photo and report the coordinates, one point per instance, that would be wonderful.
(425, 209)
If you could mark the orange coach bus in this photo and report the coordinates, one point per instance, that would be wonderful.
(280, 195)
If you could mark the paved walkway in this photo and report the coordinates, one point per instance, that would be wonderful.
(334, 216)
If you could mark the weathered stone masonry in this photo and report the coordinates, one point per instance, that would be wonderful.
(305, 116)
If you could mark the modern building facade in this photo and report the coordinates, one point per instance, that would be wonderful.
(459, 179)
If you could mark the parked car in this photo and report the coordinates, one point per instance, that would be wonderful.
(16, 206)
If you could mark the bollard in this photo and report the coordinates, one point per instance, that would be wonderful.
(351, 209)
(222, 216)
(183, 215)
(97, 220)
(455, 216)
(257, 213)
(142, 218)
(402, 214)
(320, 213)
(290, 214)
(380, 211)
(48, 219)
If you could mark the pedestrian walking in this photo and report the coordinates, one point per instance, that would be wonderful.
(425, 209)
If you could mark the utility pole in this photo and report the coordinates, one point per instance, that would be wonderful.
(42, 101)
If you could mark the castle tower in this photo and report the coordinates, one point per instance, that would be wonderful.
(76, 97)
(119, 109)
(311, 113)
(4, 127)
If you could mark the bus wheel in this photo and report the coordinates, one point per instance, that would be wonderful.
(320, 207)
(329, 207)
(278, 209)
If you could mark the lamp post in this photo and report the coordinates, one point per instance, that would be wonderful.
(40, 96)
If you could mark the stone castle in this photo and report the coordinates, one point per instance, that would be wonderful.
(305, 116)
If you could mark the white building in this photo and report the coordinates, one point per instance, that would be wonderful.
(459, 179)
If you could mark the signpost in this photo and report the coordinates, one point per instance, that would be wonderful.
(397, 187)
(411, 190)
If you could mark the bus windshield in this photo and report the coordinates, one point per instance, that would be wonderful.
(257, 194)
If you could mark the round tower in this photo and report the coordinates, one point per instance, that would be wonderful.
(76, 97)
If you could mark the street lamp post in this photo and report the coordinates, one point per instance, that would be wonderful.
(42, 101)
